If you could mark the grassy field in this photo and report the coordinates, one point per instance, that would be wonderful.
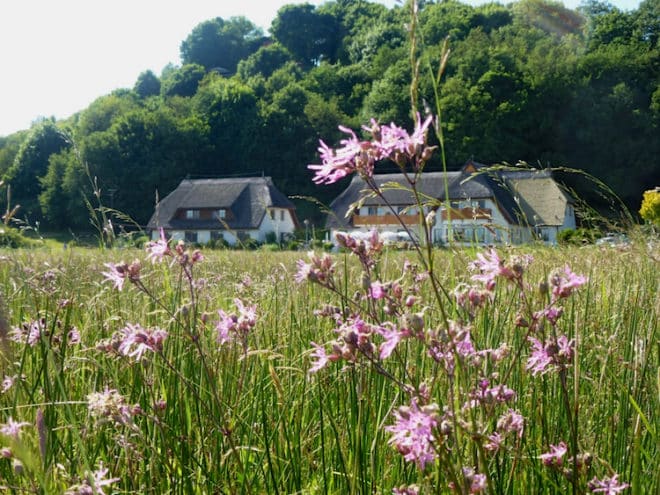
(192, 375)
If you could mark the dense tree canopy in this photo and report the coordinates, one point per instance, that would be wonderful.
(529, 81)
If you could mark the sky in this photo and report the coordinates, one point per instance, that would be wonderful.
(59, 56)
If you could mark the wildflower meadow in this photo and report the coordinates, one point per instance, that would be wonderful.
(369, 370)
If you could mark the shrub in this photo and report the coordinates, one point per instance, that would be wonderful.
(650, 209)
(12, 238)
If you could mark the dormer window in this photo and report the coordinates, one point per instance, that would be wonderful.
(192, 214)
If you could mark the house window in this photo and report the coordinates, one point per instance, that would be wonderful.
(372, 210)
(190, 236)
(192, 214)
(216, 235)
(272, 214)
(221, 213)
(282, 215)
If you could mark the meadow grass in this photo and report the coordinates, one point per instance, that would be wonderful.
(245, 416)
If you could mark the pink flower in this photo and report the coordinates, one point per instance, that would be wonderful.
(12, 428)
(337, 164)
(489, 265)
(413, 433)
(494, 442)
(555, 456)
(511, 422)
(36, 330)
(392, 336)
(93, 483)
(118, 273)
(138, 340)
(539, 360)
(555, 352)
(376, 290)
(115, 274)
(406, 490)
(319, 270)
(110, 406)
(157, 250)
(7, 383)
(563, 285)
(232, 326)
(608, 486)
(320, 358)
(224, 327)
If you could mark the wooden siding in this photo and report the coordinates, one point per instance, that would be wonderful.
(359, 220)
(468, 213)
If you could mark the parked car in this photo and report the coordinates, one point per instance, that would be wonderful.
(613, 239)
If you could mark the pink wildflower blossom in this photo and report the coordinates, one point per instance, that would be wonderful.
(110, 406)
(356, 155)
(232, 326)
(553, 353)
(138, 340)
(319, 269)
(413, 433)
(93, 483)
(118, 273)
(489, 265)
(12, 428)
(7, 383)
(320, 358)
(157, 250)
(494, 442)
(511, 422)
(406, 490)
(377, 290)
(338, 163)
(563, 285)
(392, 336)
(608, 486)
(555, 456)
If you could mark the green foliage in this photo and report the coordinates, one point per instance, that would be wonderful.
(264, 61)
(585, 97)
(309, 35)
(578, 237)
(279, 429)
(147, 85)
(31, 164)
(221, 44)
(12, 238)
(184, 81)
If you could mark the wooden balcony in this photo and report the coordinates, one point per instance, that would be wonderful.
(389, 219)
(468, 213)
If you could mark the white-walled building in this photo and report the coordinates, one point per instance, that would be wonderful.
(476, 205)
(233, 210)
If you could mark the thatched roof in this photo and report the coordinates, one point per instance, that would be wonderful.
(524, 196)
(246, 198)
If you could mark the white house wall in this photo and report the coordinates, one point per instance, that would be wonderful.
(276, 225)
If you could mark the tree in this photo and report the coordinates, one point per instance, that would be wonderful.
(217, 43)
(53, 199)
(310, 36)
(184, 81)
(102, 112)
(264, 61)
(147, 85)
(31, 164)
(230, 110)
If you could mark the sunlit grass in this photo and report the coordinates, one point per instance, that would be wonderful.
(224, 419)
